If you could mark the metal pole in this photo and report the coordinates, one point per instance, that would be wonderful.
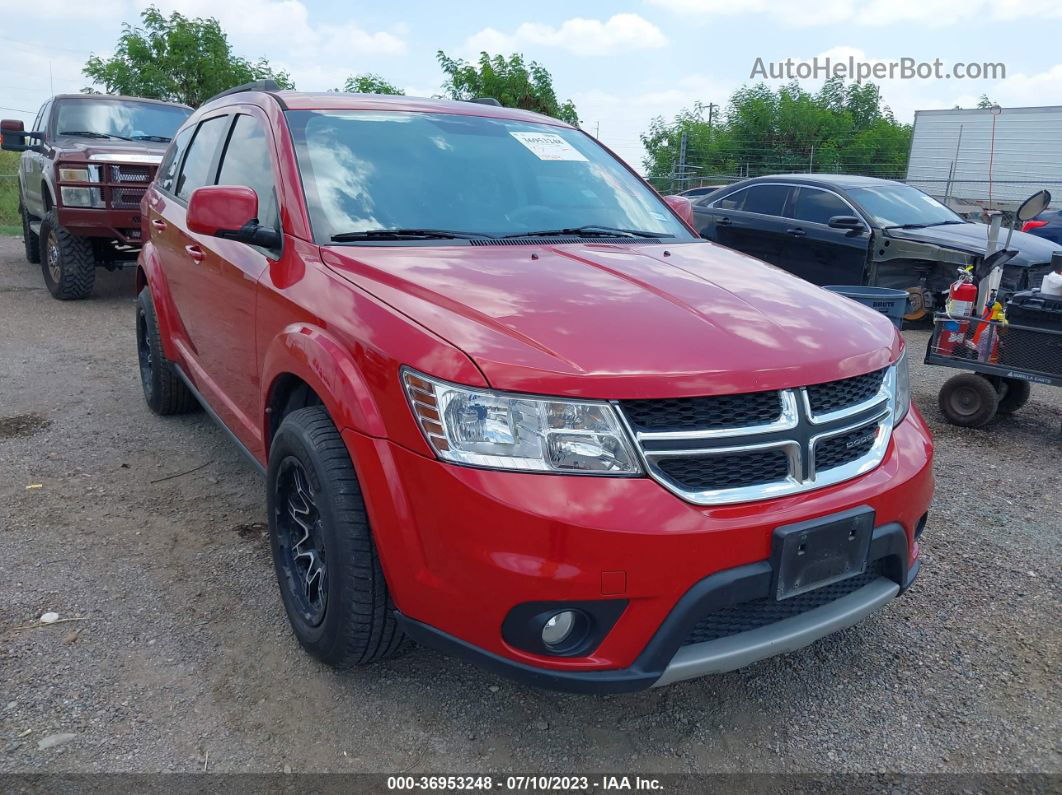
(682, 160)
(811, 160)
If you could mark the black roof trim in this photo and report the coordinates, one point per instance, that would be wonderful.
(265, 86)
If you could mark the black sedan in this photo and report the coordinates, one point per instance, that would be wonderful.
(840, 229)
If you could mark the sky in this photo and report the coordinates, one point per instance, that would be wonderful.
(621, 63)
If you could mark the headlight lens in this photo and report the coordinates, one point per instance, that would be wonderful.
(521, 432)
(81, 197)
(77, 175)
(901, 400)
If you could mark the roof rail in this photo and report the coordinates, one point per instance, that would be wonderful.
(486, 101)
(256, 85)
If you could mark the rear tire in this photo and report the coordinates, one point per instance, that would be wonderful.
(319, 532)
(68, 262)
(164, 391)
(31, 241)
(968, 400)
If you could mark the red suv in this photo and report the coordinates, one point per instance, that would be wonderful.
(509, 405)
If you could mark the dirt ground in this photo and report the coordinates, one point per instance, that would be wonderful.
(150, 530)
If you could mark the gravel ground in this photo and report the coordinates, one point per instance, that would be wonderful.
(185, 661)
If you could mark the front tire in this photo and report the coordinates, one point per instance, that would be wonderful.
(326, 563)
(30, 241)
(164, 391)
(968, 400)
(68, 262)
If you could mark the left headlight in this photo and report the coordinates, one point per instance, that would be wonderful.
(483, 428)
(901, 399)
(79, 174)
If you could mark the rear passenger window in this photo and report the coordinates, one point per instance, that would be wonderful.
(818, 206)
(766, 199)
(172, 161)
(197, 172)
(247, 162)
(731, 202)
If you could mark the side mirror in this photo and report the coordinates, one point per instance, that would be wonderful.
(682, 206)
(1033, 206)
(994, 260)
(13, 136)
(845, 222)
(229, 212)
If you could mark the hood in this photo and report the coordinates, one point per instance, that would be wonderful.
(624, 321)
(973, 239)
(71, 148)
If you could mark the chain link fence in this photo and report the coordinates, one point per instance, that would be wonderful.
(10, 223)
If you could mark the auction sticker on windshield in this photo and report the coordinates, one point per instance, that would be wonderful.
(548, 146)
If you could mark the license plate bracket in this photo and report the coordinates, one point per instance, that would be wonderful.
(812, 554)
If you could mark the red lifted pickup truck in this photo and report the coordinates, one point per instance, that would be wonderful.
(509, 405)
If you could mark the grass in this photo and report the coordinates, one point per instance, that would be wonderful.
(9, 220)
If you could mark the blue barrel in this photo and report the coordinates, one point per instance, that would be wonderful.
(891, 303)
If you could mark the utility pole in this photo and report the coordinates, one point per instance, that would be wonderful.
(682, 161)
(597, 130)
(811, 160)
(711, 116)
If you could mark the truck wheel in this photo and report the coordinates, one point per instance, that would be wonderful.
(69, 265)
(31, 241)
(330, 577)
(968, 400)
(164, 391)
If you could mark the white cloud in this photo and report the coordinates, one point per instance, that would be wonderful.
(62, 9)
(935, 13)
(618, 34)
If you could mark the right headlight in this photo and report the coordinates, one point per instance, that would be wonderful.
(480, 427)
(901, 385)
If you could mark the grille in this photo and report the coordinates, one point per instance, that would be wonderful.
(136, 174)
(726, 471)
(127, 198)
(553, 241)
(835, 395)
(843, 449)
(761, 612)
(723, 411)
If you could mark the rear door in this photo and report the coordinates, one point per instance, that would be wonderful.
(749, 220)
(817, 252)
(224, 283)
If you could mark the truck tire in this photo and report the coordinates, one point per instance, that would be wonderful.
(31, 241)
(68, 262)
(319, 532)
(164, 391)
(968, 400)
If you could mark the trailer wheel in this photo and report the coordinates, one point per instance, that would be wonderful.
(1015, 394)
(968, 400)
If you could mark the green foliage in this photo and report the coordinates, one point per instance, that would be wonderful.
(176, 59)
(514, 82)
(370, 83)
(842, 128)
(984, 102)
(9, 220)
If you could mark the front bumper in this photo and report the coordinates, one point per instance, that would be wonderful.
(122, 225)
(462, 547)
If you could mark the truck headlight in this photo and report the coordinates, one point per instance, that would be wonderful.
(81, 174)
(483, 428)
(901, 380)
(80, 197)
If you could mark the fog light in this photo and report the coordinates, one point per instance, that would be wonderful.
(558, 628)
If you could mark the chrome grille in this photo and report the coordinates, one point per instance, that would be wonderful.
(755, 446)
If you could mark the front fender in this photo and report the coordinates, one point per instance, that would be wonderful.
(327, 366)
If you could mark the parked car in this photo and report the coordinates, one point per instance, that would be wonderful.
(85, 165)
(1047, 225)
(540, 425)
(840, 229)
(703, 190)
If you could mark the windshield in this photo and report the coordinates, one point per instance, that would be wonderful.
(369, 170)
(900, 205)
(135, 121)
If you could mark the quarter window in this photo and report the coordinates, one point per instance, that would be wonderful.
(197, 170)
(732, 202)
(247, 163)
(818, 206)
(172, 161)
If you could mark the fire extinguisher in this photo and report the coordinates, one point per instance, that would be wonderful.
(962, 296)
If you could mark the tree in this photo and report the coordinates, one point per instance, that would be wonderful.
(370, 83)
(512, 81)
(841, 128)
(177, 59)
(984, 103)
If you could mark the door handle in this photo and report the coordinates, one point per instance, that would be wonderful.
(795, 232)
(195, 253)
(724, 221)
(160, 225)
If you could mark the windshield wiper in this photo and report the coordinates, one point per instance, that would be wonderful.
(159, 138)
(407, 234)
(92, 134)
(590, 230)
(923, 226)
